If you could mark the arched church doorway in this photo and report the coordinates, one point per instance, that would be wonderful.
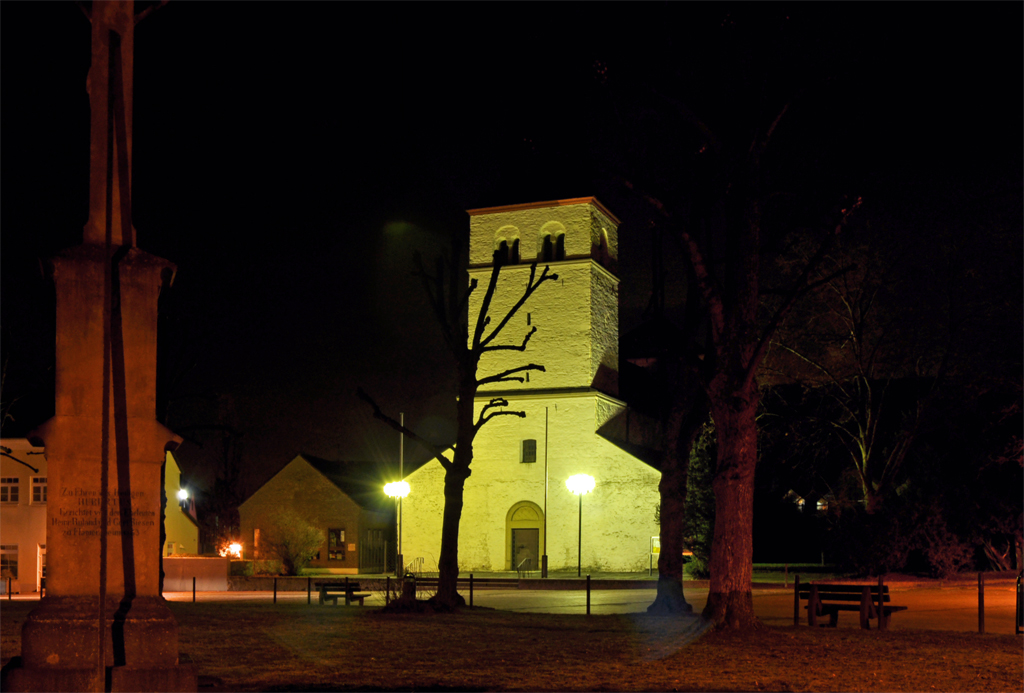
(524, 536)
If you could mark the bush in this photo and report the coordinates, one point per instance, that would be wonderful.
(294, 541)
(267, 567)
(241, 568)
(944, 553)
(700, 503)
(903, 535)
(872, 544)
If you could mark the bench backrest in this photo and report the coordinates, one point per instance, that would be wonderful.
(350, 586)
(844, 593)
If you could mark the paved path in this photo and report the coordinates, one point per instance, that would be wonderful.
(931, 608)
(952, 608)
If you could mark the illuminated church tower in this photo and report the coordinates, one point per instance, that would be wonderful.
(577, 317)
(517, 507)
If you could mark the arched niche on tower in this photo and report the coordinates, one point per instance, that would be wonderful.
(551, 242)
(506, 242)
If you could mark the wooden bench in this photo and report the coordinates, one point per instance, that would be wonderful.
(871, 601)
(349, 590)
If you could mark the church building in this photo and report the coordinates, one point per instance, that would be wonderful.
(517, 506)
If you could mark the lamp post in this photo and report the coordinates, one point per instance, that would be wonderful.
(580, 484)
(398, 490)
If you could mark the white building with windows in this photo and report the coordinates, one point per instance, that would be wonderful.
(23, 494)
(22, 515)
(516, 505)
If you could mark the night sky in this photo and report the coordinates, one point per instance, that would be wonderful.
(291, 158)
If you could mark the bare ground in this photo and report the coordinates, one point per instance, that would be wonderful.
(251, 646)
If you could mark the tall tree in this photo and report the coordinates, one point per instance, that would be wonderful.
(723, 243)
(695, 142)
(738, 342)
(875, 341)
(449, 295)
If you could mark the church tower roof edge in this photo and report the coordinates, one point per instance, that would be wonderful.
(541, 205)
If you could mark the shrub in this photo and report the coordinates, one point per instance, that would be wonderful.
(944, 552)
(241, 568)
(871, 544)
(700, 503)
(294, 540)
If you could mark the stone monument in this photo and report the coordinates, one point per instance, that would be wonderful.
(103, 624)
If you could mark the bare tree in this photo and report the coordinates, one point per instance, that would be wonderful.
(447, 291)
(863, 334)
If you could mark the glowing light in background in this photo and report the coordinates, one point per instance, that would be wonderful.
(580, 483)
(397, 489)
(233, 549)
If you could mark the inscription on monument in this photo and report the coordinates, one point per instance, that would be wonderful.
(80, 516)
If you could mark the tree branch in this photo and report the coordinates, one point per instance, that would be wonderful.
(712, 298)
(512, 347)
(6, 452)
(433, 286)
(149, 10)
(800, 288)
(496, 402)
(503, 377)
(531, 286)
(437, 452)
(482, 319)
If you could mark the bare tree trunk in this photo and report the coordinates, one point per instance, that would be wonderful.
(730, 603)
(454, 487)
(448, 562)
(684, 422)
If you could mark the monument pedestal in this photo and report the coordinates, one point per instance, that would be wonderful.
(60, 642)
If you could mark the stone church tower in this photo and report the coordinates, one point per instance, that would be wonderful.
(517, 507)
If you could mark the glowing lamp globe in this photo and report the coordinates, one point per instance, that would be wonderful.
(580, 483)
(397, 489)
(182, 494)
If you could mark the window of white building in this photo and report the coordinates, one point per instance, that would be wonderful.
(9, 561)
(39, 489)
(9, 489)
(529, 452)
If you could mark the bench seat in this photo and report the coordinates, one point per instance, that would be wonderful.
(331, 591)
(830, 599)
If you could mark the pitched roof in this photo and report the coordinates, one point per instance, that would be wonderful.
(360, 481)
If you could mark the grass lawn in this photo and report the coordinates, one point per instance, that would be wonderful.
(253, 646)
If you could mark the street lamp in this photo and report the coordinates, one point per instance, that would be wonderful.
(580, 484)
(398, 490)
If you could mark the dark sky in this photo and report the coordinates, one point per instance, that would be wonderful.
(290, 157)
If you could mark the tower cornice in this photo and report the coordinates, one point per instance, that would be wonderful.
(542, 205)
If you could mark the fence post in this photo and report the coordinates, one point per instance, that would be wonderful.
(588, 595)
(981, 602)
(309, 589)
(785, 576)
(387, 590)
(193, 589)
(812, 606)
(883, 622)
(1020, 606)
(275, 590)
(9, 589)
(796, 601)
(471, 590)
